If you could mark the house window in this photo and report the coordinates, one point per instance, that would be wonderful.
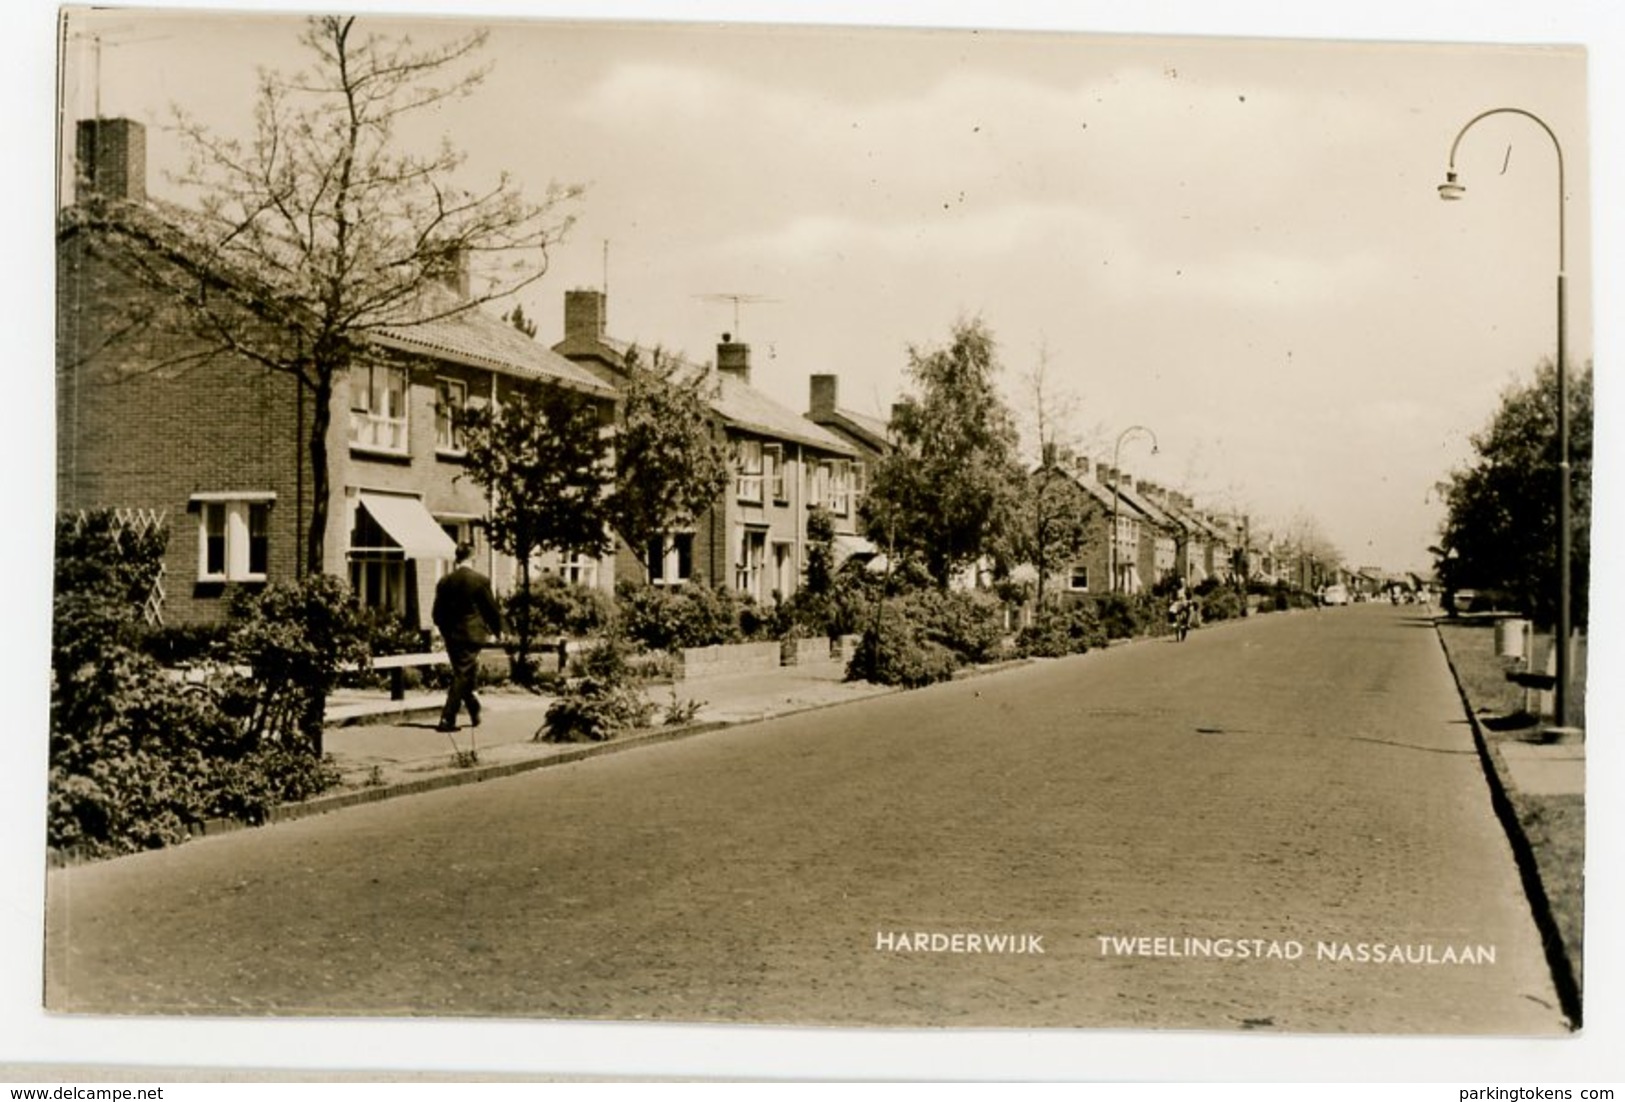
(377, 566)
(818, 477)
(671, 558)
(378, 407)
(840, 487)
(860, 481)
(773, 466)
(748, 464)
(1078, 579)
(748, 559)
(234, 539)
(580, 570)
(451, 398)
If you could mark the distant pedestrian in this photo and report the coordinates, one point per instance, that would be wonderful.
(465, 612)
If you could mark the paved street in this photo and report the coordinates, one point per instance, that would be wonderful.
(1299, 780)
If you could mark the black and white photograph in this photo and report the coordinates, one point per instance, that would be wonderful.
(624, 520)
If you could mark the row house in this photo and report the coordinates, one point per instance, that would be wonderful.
(159, 426)
(869, 436)
(753, 540)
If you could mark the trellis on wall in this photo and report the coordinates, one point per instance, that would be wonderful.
(139, 523)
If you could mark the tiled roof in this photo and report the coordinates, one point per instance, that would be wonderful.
(745, 407)
(738, 403)
(871, 430)
(454, 332)
(472, 336)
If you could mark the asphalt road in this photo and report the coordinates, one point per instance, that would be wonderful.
(1303, 780)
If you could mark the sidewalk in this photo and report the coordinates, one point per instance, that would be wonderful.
(389, 747)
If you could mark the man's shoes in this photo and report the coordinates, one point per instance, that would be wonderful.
(474, 718)
(446, 728)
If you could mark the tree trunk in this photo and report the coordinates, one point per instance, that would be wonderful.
(522, 671)
(320, 476)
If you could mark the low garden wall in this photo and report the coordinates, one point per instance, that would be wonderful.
(698, 663)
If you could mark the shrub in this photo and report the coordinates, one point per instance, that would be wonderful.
(296, 637)
(897, 651)
(560, 607)
(1221, 602)
(1060, 631)
(137, 756)
(966, 622)
(689, 616)
(1119, 615)
(601, 703)
(183, 644)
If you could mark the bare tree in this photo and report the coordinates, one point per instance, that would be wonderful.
(318, 239)
(1053, 524)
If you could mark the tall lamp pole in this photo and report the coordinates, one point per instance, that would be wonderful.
(1450, 189)
(1116, 474)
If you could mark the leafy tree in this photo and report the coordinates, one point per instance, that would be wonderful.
(1500, 530)
(669, 464)
(1055, 526)
(948, 493)
(544, 460)
(318, 235)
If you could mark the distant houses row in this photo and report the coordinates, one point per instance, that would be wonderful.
(213, 447)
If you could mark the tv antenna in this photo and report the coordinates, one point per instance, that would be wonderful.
(112, 35)
(737, 300)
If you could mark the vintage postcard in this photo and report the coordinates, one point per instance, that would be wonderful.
(723, 523)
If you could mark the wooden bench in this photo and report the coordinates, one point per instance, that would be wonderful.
(398, 664)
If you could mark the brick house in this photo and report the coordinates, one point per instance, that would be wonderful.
(869, 436)
(753, 540)
(1077, 490)
(215, 444)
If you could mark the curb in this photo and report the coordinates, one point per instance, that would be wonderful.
(574, 753)
(1523, 855)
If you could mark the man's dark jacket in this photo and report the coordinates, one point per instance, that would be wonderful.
(464, 609)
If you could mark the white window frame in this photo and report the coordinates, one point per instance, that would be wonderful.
(450, 400)
(231, 518)
(671, 572)
(749, 559)
(818, 482)
(773, 470)
(748, 468)
(1072, 577)
(372, 428)
(581, 570)
(840, 499)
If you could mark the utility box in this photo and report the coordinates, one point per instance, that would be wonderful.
(1510, 637)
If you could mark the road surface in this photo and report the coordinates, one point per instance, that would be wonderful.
(1278, 824)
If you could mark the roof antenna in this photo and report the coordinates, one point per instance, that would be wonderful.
(736, 299)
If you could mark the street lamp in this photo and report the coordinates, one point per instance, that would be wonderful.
(1452, 190)
(1116, 474)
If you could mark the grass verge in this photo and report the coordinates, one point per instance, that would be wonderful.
(1552, 827)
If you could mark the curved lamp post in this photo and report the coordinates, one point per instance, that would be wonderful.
(1451, 190)
(1116, 474)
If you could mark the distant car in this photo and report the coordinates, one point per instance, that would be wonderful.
(1336, 595)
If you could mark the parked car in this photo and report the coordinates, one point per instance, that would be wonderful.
(1336, 595)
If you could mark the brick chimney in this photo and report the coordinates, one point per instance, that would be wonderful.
(450, 269)
(1080, 466)
(112, 159)
(733, 358)
(821, 395)
(586, 310)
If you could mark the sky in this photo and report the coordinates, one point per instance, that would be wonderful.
(1235, 242)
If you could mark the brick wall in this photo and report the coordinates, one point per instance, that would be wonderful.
(137, 428)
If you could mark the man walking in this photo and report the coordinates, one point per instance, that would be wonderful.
(466, 614)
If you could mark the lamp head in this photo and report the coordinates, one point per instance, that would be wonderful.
(1450, 189)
